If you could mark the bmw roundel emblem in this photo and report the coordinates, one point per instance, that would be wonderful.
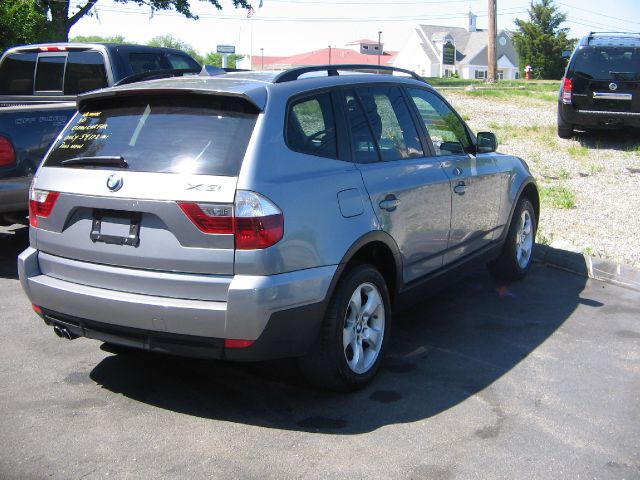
(114, 182)
(613, 86)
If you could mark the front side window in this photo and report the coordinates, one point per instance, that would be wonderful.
(447, 132)
(181, 62)
(49, 73)
(85, 72)
(311, 126)
(166, 134)
(390, 125)
(16, 74)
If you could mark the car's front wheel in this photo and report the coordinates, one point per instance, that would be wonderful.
(354, 334)
(517, 253)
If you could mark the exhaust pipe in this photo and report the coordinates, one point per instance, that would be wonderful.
(63, 332)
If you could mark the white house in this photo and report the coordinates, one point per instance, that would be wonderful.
(438, 51)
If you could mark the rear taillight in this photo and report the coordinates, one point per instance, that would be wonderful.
(37, 309)
(41, 205)
(209, 218)
(255, 221)
(567, 90)
(259, 222)
(7, 153)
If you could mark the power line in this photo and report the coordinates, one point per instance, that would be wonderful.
(599, 14)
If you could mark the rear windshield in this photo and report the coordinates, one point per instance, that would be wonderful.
(608, 63)
(169, 133)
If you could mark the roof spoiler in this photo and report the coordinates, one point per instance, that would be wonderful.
(333, 69)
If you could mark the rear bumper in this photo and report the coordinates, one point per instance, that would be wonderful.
(282, 313)
(596, 118)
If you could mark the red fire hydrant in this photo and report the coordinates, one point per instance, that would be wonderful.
(528, 72)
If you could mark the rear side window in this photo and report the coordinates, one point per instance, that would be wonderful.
(85, 72)
(390, 125)
(49, 73)
(16, 74)
(608, 63)
(146, 62)
(311, 126)
(170, 134)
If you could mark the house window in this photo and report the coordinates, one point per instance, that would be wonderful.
(365, 47)
(448, 72)
(481, 74)
(500, 75)
(517, 75)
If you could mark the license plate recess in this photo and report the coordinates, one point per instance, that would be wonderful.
(116, 227)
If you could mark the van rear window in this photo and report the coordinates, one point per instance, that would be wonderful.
(196, 134)
(608, 63)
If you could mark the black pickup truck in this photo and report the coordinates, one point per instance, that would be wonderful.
(38, 89)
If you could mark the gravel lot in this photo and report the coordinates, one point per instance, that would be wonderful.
(600, 170)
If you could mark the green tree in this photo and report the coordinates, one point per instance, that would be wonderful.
(60, 17)
(213, 58)
(541, 40)
(99, 39)
(21, 21)
(170, 41)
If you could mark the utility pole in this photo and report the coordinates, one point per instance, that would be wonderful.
(379, 46)
(491, 44)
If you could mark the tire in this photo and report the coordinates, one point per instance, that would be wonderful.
(353, 337)
(517, 252)
(565, 130)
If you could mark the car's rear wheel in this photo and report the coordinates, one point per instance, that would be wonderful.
(517, 253)
(354, 334)
(565, 130)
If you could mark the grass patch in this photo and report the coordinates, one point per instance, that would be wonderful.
(557, 197)
(564, 173)
(595, 168)
(505, 131)
(578, 151)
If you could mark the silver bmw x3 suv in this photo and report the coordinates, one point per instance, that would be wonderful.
(253, 215)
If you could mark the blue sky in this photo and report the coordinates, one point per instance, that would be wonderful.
(285, 27)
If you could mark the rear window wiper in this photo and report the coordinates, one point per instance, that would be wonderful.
(621, 75)
(97, 161)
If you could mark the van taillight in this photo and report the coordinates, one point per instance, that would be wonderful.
(41, 205)
(254, 220)
(567, 90)
(7, 153)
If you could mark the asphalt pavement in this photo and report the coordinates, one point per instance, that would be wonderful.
(536, 379)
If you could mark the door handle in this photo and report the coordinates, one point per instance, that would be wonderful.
(390, 203)
(460, 188)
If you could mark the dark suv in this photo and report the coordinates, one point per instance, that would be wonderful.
(601, 88)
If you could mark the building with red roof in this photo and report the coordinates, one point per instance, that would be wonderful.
(359, 51)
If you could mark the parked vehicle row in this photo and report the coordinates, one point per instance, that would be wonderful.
(38, 89)
(259, 215)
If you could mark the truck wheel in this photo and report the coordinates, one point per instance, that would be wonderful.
(517, 252)
(354, 334)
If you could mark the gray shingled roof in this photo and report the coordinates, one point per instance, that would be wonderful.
(471, 47)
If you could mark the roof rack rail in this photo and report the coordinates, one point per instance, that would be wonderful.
(332, 70)
(591, 34)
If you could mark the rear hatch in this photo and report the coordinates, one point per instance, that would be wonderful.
(145, 181)
(607, 78)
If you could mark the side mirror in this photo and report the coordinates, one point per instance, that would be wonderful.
(566, 53)
(487, 142)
